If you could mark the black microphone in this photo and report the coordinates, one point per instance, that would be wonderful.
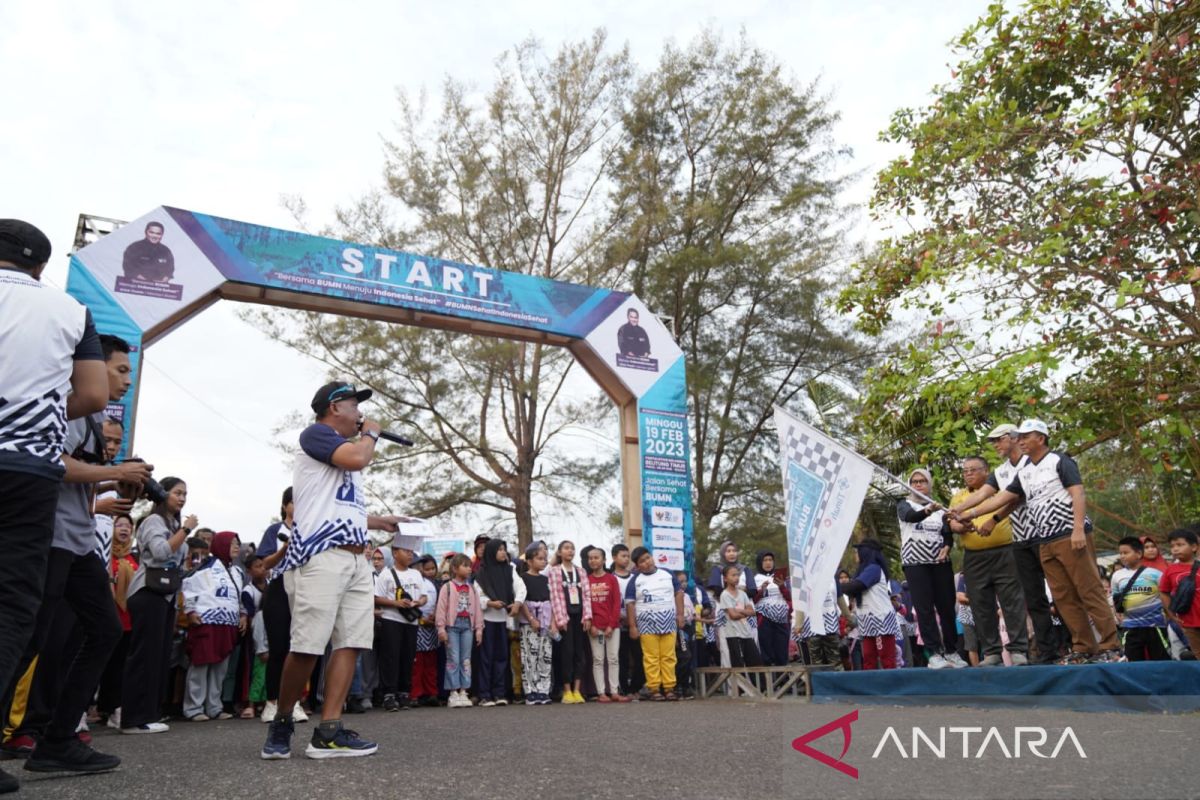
(395, 437)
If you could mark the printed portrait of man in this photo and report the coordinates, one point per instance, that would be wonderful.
(149, 259)
(631, 338)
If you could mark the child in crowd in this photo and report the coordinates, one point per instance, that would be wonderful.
(1136, 601)
(629, 670)
(876, 616)
(424, 686)
(687, 658)
(654, 607)
(254, 669)
(739, 637)
(820, 637)
(605, 594)
(537, 654)
(572, 607)
(501, 592)
(1178, 585)
(459, 621)
(212, 601)
(966, 618)
(400, 593)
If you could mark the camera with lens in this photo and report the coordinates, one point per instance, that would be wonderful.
(151, 489)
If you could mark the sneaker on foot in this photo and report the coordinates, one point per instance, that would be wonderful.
(69, 755)
(487, 703)
(299, 714)
(344, 743)
(355, 706)
(279, 740)
(502, 702)
(114, 720)
(8, 783)
(992, 661)
(938, 661)
(390, 703)
(956, 661)
(18, 747)
(149, 727)
(1019, 659)
(268, 712)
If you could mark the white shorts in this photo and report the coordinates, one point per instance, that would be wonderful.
(332, 598)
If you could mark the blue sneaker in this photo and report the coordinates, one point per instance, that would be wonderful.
(279, 740)
(344, 743)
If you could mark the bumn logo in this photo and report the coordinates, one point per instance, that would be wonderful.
(843, 723)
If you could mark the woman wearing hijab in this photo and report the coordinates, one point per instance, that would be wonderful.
(729, 555)
(1152, 556)
(772, 601)
(212, 601)
(925, 542)
(501, 593)
(870, 591)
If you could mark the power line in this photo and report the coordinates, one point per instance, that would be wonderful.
(217, 413)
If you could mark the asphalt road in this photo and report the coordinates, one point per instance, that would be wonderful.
(701, 749)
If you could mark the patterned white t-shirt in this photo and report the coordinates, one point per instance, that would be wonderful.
(329, 500)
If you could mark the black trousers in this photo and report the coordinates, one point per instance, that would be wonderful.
(1145, 644)
(773, 643)
(153, 625)
(991, 576)
(932, 588)
(742, 652)
(82, 584)
(397, 650)
(574, 652)
(109, 699)
(1033, 585)
(277, 619)
(27, 505)
(630, 672)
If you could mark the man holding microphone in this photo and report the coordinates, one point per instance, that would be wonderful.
(328, 581)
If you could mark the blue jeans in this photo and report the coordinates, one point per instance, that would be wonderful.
(356, 683)
(458, 655)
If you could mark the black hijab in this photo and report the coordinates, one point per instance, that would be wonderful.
(495, 576)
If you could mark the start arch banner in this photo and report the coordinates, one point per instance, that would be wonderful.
(158, 271)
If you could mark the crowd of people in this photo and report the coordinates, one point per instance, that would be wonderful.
(132, 622)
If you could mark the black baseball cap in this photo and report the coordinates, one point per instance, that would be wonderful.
(23, 244)
(337, 390)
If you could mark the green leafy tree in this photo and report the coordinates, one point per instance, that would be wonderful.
(512, 179)
(726, 221)
(1047, 241)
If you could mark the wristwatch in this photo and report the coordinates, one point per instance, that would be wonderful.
(373, 435)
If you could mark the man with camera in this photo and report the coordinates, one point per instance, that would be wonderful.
(326, 577)
(76, 577)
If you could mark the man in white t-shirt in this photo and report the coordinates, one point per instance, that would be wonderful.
(48, 345)
(327, 579)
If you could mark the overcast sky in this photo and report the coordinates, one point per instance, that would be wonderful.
(114, 108)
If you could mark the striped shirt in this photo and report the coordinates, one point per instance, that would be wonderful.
(42, 333)
(329, 500)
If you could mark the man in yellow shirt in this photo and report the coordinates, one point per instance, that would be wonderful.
(991, 574)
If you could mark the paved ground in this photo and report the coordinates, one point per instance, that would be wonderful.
(702, 749)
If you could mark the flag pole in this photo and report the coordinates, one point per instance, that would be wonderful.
(865, 460)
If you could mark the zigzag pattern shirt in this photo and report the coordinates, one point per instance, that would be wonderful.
(329, 500)
(1049, 509)
(921, 534)
(1000, 478)
(653, 596)
(42, 333)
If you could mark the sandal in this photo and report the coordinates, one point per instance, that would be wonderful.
(670, 696)
(247, 713)
(656, 697)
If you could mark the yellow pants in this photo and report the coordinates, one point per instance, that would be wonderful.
(658, 660)
(20, 702)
